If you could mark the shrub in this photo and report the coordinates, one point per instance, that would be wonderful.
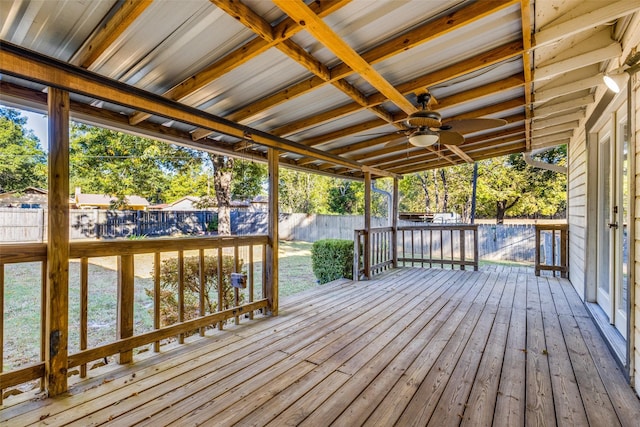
(332, 259)
(169, 287)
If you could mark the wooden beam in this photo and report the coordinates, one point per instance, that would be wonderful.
(324, 34)
(468, 65)
(544, 72)
(32, 66)
(109, 32)
(284, 30)
(527, 30)
(550, 130)
(412, 38)
(57, 300)
(272, 247)
(546, 94)
(394, 222)
(559, 107)
(602, 14)
(552, 121)
(550, 140)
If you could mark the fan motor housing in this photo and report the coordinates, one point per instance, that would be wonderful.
(425, 118)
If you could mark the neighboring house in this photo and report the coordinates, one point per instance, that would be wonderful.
(190, 203)
(103, 201)
(30, 197)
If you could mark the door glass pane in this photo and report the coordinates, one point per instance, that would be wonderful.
(604, 213)
(622, 297)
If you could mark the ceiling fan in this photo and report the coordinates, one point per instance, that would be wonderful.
(425, 127)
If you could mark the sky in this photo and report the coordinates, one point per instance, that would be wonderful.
(38, 123)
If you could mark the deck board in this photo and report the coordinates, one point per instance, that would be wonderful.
(411, 347)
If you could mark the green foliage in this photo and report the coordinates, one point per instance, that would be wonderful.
(169, 287)
(342, 198)
(23, 163)
(118, 164)
(302, 192)
(248, 179)
(332, 259)
(213, 224)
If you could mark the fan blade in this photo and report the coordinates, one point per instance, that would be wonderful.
(473, 125)
(450, 138)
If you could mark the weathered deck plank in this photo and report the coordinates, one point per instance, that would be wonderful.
(413, 347)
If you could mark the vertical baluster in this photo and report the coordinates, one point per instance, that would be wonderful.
(181, 292)
(236, 264)
(264, 271)
(202, 287)
(553, 250)
(2, 323)
(156, 297)
(404, 256)
(422, 248)
(250, 279)
(430, 248)
(413, 254)
(451, 247)
(220, 286)
(463, 243)
(441, 250)
(43, 319)
(84, 303)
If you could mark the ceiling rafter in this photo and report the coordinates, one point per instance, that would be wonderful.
(412, 38)
(109, 31)
(527, 30)
(284, 30)
(256, 23)
(461, 68)
(559, 107)
(467, 96)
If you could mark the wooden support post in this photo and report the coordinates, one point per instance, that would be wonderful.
(180, 293)
(272, 248)
(57, 330)
(394, 223)
(367, 225)
(537, 254)
(156, 297)
(84, 309)
(124, 325)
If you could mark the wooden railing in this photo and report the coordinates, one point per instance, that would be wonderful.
(424, 246)
(554, 253)
(125, 252)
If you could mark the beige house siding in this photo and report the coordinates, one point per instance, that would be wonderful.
(576, 213)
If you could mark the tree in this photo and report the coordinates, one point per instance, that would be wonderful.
(22, 160)
(117, 164)
(303, 192)
(342, 198)
(222, 175)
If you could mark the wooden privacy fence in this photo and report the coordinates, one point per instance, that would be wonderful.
(206, 249)
(455, 246)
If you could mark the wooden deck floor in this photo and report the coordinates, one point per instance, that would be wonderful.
(414, 347)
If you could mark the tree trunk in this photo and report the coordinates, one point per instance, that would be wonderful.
(222, 175)
(435, 191)
(501, 207)
(425, 188)
(445, 192)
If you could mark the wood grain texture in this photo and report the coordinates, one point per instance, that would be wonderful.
(412, 346)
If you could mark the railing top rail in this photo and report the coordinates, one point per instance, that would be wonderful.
(29, 252)
(544, 227)
(440, 227)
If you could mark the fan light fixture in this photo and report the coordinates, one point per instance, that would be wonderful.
(423, 138)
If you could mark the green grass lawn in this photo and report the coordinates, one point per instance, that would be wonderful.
(23, 298)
